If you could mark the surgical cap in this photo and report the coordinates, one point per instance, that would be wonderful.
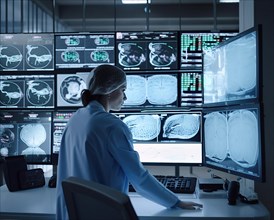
(105, 79)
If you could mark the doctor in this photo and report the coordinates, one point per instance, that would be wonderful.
(98, 146)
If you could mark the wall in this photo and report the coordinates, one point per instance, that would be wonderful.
(263, 14)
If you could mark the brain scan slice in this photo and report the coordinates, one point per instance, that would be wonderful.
(71, 88)
(143, 127)
(182, 126)
(38, 92)
(10, 92)
(136, 90)
(216, 136)
(161, 54)
(38, 56)
(131, 54)
(243, 134)
(167, 84)
(10, 57)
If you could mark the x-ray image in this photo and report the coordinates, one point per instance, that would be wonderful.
(38, 56)
(144, 90)
(39, 92)
(181, 126)
(143, 127)
(10, 57)
(69, 88)
(131, 54)
(161, 54)
(136, 90)
(11, 93)
(232, 136)
(167, 84)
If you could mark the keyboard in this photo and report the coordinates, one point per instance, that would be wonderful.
(175, 184)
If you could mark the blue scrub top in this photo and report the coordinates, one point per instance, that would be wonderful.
(98, 146)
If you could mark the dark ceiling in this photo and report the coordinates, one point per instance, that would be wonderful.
(112, 15)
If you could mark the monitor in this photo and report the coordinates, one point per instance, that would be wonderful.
(171, 138)
(191, 89)
(147, 50)
(231, 70)
(232, 140)
(27, 91)
(89, 50)
(26, 133)
(194, 43)
(60, 120)
(158, 90)
(69, 88)
(26, 52)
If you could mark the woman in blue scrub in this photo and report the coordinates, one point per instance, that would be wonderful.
(98, 146)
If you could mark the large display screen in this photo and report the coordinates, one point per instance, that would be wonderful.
(84, 50)
(193, 44)
(147, 50)
(26, 52)
(26, 133)
(69, 88)
(166, 137)
(232, 140)
(231, 70)
(151, 90)
(27, 91)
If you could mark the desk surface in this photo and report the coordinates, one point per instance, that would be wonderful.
(39, 203)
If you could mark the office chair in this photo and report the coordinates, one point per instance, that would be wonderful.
(91, 200)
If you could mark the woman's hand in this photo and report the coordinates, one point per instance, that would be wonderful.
(189, 205)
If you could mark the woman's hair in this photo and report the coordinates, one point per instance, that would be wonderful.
(104, 79)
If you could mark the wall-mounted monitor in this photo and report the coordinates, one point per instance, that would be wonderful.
(27, 91)
(166, 137)
(231, 70)
(147, 50)
(194, 43)
(26, 133)
(60, 120)
(191, 89)
(152, 90)
(69, 88)
(232, 140)
(78, 50)
(20, 52)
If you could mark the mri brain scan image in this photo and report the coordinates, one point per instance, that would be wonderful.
(71, 88)
(143, 127)
(136, 90)
(10, 93)
(10, 57)
(216, 136)
(131, 54)
(243, 134)
(38, 92)
(161, 54)
(33, 135)
(38, 56)
(167, 84)
(181, 126)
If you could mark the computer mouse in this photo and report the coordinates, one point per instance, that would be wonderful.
(52, 181)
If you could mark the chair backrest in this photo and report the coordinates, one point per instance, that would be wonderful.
(91, 200)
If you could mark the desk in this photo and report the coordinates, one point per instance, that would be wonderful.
(39, 203)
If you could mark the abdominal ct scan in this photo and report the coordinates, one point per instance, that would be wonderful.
(181, 126)
(131, 54)
(161, 54)
(143, 127)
